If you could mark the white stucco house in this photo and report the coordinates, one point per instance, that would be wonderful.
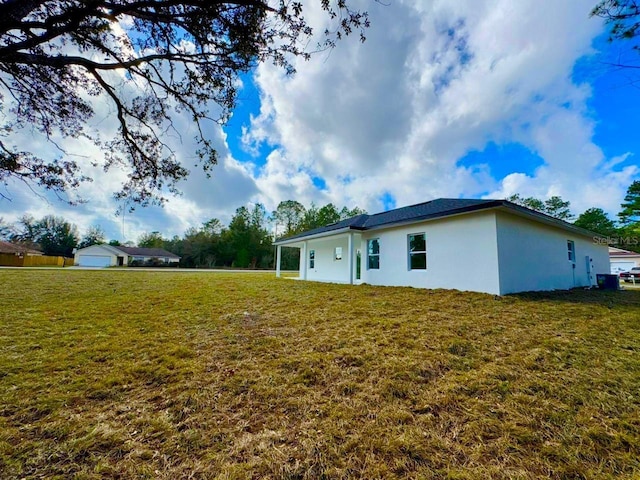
(111, 256)
(623, 260)
(491, 246)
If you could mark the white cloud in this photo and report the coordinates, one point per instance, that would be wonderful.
(433, 81)
(230, 184)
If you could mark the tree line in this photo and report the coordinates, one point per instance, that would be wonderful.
(623, 232)
(247, 242)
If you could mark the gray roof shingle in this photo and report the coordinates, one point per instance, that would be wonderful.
(440, 207)
(13, 248)
(421, 211)
(147, 252)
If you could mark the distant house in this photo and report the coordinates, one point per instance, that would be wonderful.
(111, 256)
(8, 248)
(491, 246)
(623, 260)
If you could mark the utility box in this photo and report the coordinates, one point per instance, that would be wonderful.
(607, 281)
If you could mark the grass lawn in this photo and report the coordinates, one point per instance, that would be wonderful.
(114, 374)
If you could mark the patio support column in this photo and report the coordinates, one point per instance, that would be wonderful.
(303, 261)
(350, 257)
(278, 258)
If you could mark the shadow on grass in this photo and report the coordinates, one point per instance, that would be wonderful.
(611, 298)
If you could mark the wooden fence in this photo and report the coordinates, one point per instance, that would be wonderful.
(10, 260)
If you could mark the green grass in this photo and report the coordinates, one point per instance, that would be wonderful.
(112, 374)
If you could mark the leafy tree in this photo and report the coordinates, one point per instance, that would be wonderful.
(289, 214)
(623, 19)
(316, 217)
(94, 236)
(553, 206)
(114, 243)
(628, 237)
(328, 214)
(212, 226)
(198, 248)
(346, 213)
(151, 240)
(57, 236)
(630, 212)
(150, 60)
(53, 235)
(529, 202)
(558, 208)
(6, 230)
(26, 231)
(248, 238)
(596, 220)
(310, 218)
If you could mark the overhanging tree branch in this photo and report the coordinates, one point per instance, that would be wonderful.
(170, 56)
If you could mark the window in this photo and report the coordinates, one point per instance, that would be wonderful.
(312, 259)
(417, 251)
(373, 254)
(571, 250)
(338, 253)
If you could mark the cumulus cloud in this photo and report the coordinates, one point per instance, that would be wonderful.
(434, 81)
(389, 121)
(202, 198)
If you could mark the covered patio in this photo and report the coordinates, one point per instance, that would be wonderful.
(326, 258)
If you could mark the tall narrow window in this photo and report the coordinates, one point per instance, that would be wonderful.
(373, 254)
(571, 250)
(417, 244)
(312, 259)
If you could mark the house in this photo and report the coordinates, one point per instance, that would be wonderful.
(110, 256)
(491, 246)
(623, 260)
(8, 248)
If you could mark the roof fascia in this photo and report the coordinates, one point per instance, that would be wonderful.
(328, 233)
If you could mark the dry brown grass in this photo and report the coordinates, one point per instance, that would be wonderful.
(112, 374)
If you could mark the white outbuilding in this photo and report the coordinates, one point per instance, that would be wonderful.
(491, 246)
(623, 260)
(112, 256)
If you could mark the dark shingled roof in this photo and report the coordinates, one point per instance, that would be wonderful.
(147, 252)
(13, 248)
(440, 207)
(422, 211)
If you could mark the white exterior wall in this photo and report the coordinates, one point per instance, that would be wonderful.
(326, 268)
(97, 250)
(534, 256)
(461, 254)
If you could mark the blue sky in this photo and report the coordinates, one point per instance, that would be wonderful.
(478, 99)
(612, 106)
